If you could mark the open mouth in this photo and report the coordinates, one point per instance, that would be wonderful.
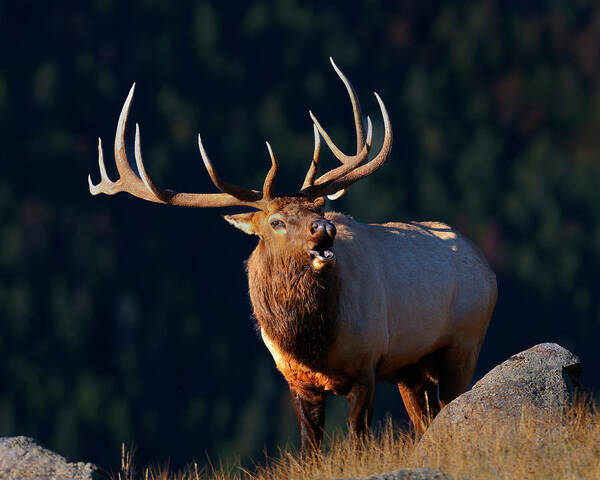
(321, 256)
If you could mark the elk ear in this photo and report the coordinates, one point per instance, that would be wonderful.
(243, 221)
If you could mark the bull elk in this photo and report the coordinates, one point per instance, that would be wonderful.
(407, 303)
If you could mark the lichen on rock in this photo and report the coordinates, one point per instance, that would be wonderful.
(22, 458)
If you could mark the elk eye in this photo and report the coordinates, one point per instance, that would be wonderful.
(276, 224)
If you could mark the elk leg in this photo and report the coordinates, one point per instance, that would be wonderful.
(456, 372)
(418, 386)
(360, 403)
(419, 405)
(310, 412)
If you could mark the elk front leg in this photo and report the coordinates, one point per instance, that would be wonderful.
(310, 411)
(360, 403)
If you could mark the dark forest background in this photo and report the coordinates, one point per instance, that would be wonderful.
(125, 321)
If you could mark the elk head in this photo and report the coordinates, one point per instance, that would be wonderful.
(292, 223)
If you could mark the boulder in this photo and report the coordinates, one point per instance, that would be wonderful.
(542, 379)
(410, 474)
(22, 458)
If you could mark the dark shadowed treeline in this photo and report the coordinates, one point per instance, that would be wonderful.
(122, 320)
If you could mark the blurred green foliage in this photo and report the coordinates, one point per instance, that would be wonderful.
(125, 321)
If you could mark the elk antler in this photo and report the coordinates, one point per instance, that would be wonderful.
(314, 165)
(332, 184)
(142, 187)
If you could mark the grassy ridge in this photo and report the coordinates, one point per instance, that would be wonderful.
(562, 447)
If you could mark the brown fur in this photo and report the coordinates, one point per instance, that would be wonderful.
(295, 305)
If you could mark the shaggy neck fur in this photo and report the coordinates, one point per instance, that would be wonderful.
(295, 305)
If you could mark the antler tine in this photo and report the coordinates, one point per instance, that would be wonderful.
(370, 167)
(142, 170)
(270, 178)
(358, 123)
(142, 187)
(314, 165)
(369, 132)
(341, 156)
(120, 154)
(360, 136)
(237, 192)
(104, 180)
(340, 193)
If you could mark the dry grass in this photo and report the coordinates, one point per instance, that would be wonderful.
(564, 447)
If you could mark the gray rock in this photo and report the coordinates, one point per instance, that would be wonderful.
(543, 378)
(22, 458)
(410, 474)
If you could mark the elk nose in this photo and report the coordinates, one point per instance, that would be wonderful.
(321, 227)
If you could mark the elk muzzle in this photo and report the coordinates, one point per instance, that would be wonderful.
(322, 232)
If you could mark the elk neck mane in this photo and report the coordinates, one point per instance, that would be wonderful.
(294, 305)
